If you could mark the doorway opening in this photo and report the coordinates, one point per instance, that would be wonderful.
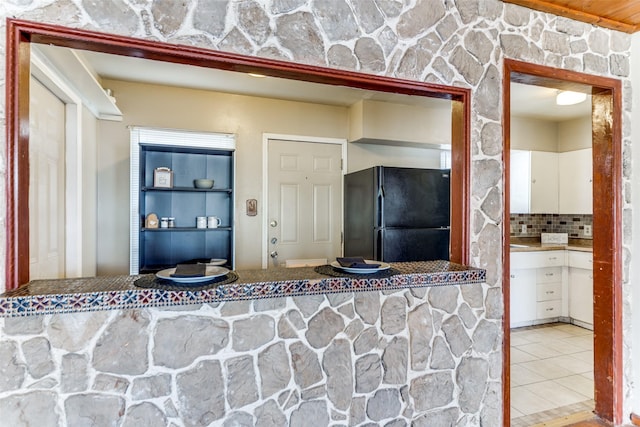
(22, 33)
(606, 117)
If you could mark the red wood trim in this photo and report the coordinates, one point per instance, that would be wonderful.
(23, 32)
(460, 179)
(506, 236)
(607, 148)
(17, 154)
(578, 15)
(190, 55)
(607, 259)
(635, 419)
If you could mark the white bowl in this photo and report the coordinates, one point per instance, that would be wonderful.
(203, 183)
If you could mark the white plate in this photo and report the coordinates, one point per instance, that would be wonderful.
(210, 273)
(215, 261)
(383, 266)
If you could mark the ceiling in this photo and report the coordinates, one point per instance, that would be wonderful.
(526, 101)
(621, 15)
(539, 102)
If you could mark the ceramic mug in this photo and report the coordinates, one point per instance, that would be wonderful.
(201, 222)
(213, 222)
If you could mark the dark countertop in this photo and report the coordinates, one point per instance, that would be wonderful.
(531, 244)
(120, 292)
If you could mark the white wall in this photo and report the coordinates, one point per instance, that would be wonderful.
(247, 117)
(574, 134)
(362, 156)
(533, 134)
(89, 197)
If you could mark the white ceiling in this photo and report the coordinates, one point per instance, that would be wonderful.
(540, 103)
(164, 73)
(526, 100)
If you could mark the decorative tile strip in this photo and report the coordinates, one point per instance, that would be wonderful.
(108, 293)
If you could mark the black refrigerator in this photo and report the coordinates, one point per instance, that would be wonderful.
(397, 214)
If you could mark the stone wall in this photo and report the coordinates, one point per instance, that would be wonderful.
(428, 356)
(453, 42)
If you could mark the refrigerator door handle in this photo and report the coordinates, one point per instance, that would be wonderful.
(381, 206)
(380, 240)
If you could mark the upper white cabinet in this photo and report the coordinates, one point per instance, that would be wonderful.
(576, 182)
(520, 193)
(544, 182)
(534, 182)
(547, 182)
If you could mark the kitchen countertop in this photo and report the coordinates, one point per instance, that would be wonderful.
(120, 292)
(531, 244)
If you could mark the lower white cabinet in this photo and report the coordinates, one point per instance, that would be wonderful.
(581, 288)
(522, 296)
(536, 292)
(546, 286)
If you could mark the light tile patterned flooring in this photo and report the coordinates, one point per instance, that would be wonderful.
(551, 372)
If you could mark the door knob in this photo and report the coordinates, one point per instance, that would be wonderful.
(274, 240)
(273, 223)
(274, 254)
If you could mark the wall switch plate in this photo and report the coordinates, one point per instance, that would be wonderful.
(524, 228)
(587, 230)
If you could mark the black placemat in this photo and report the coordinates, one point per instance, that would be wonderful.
(152, 282)
(328, 270)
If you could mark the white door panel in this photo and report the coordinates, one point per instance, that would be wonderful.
(305, 200)
(46, 184)
(289, 206)
(322, 213)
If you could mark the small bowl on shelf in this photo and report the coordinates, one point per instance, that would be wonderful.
(203, 183)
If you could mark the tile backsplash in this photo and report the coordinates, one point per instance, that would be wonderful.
(573, 225)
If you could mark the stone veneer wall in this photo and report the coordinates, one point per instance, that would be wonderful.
(452, 42)
(427, 356)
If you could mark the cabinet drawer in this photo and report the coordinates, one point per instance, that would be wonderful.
(537, 259)
(549, 274)
(552, 259)
(549, 291)
(581, 260)
(547, 309)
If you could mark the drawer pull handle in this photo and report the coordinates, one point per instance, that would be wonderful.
(550, 292)
(548, 274)
(549, 309)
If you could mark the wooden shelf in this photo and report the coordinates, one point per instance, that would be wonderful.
(175, 229)
(188, 189)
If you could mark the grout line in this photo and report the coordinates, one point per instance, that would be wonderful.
(558, 412)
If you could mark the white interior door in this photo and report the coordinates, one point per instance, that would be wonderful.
(46, 184)
(304, 201)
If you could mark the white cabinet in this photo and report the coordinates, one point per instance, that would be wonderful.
(536, 287)
(546, 286)
(581, 288)
(548, 292)
(533, 182)
(575, 182)
(544, 182)
(522, 296)
(519, 181)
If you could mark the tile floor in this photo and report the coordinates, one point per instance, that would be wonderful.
(551, 372)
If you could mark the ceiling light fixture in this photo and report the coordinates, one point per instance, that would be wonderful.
(257, 75)
(566, 97)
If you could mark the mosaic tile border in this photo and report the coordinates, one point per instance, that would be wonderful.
(425, 274)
